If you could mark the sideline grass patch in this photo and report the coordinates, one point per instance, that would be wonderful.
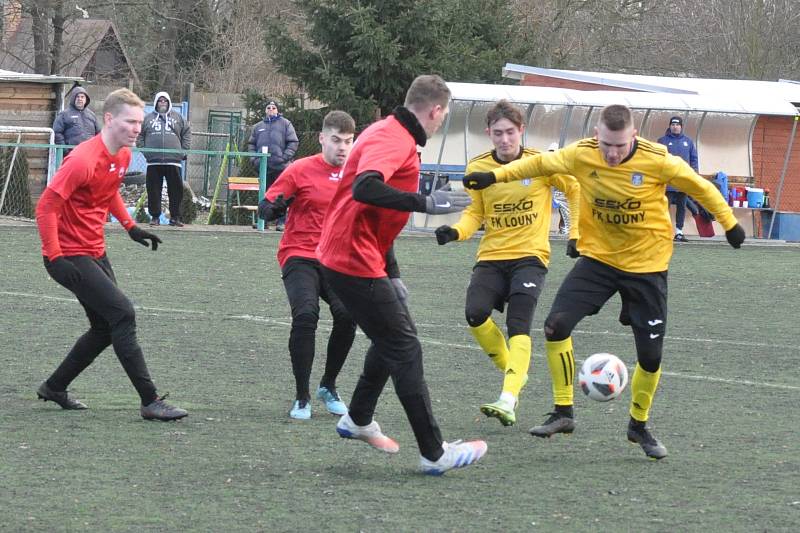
(214, 323)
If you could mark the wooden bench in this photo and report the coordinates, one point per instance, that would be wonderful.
(238, 184)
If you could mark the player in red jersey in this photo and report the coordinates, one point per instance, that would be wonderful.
(377, 192)
(308, 185)
(70, 215)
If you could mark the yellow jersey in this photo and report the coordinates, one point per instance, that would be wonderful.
(516, 216)
(624, 218)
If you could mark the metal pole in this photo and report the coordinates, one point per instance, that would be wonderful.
(562, 136)
(466, 134)
(8, 176)
(645, 118)
(262, 186)
(783, 175)
(188, 91)
(750, 135)
(700, 126)
(585, 132)
(528, 125)
(445, 129)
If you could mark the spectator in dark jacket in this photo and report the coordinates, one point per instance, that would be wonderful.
(164, 128)
(682, 146)
(277, 134)
(77, 123)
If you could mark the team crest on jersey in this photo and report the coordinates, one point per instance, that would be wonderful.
(113, 168)
(526, 182)
(594, 175)
(637, 179)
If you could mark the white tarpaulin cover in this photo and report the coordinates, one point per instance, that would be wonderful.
(721, 124)
(719, 103)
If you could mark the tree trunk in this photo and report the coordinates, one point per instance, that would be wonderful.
(58, 37)
(40, 25)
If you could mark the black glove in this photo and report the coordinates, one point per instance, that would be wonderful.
(63, 271)
(445, 234)
(282, 203)
(479, 180)
(441, 202)
(265, 210)
(572, 248)
(268, 211)
(735, 236)
(141, 236)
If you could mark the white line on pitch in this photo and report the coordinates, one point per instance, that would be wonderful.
(425, 340)
(256, 318)
(473, 347)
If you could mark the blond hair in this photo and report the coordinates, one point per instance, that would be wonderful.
(116, 99)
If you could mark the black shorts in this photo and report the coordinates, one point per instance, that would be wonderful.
(502, 279)
(590, 284)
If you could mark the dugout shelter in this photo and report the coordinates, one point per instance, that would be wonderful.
(723, 125)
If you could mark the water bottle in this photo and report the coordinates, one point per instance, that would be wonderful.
(765, 203)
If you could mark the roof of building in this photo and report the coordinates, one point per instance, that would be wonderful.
(81, 39)
(787, 91)
(8, 75)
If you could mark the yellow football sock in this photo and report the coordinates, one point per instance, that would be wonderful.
(561, 362)
(519, 359)
(643, 388)
(493, 342)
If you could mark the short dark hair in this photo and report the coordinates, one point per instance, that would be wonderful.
(616, 117)
(428, 89)
(340, 121)
(503, 109)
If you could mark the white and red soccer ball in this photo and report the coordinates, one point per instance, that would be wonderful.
(603, 377)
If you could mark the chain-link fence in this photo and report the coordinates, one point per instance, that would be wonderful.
(25, 162)
(207, 198)
(15, 191)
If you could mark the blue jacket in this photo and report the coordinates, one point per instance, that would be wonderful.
(682, 146)
(278, 135)
(73, 126)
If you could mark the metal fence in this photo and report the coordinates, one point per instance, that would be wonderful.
(206, 172)
(15, 192)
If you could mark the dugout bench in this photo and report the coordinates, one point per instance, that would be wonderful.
(237, 184)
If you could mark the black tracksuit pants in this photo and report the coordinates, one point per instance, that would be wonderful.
(305, 285)
(155, 182)
(112, 321)
(395, 352)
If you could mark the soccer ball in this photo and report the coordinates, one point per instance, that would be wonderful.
(603, 377)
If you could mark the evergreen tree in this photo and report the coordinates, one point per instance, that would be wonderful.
(361, 55)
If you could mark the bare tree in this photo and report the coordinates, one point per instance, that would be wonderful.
(219, 44)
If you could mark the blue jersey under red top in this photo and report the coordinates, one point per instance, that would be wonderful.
(356, 236)
(312, 182)
(88, 182)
